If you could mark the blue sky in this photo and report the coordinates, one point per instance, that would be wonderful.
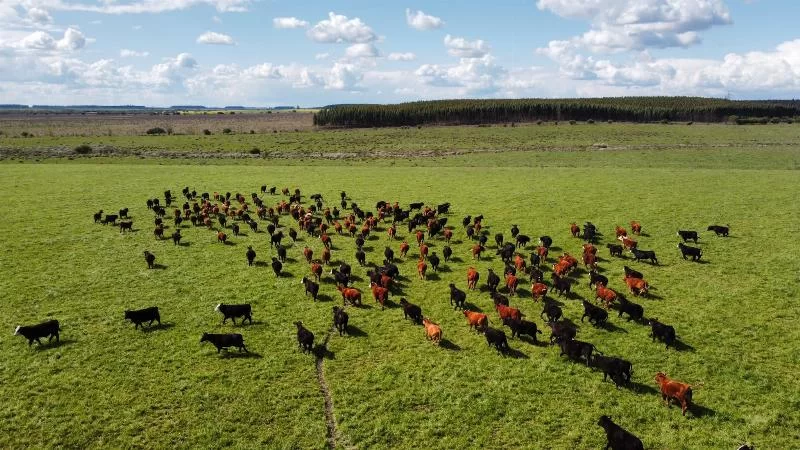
(275, 52)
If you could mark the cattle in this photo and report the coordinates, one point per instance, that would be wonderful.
(627, 242)
(497, 339)
(561, 331)
(140, 316)
(637, 286)
(447, 252)
(634, 311)
(97, 216)
(619, 231)
(251, 255)
(275, 239)
(595, 278)
(498, 239)
(433, 332)
(639, 255)
(305, 338)
(514, 231)
(577, 350)
(457, 297)
(694, 252)
(472, 278)
(448, 235)
(150, 259)
(434, 260)
(316, 270)
(477, 249)
(281, 253)
(511, 284)
(110, 218)
(48, 329)
(390, 269)
(235, 229)
(551, 312)
(158, 232)
(380, 294)
(326, 255)
(222, 237)
(615, 250)
(605, 294)
(574, 229)
(420, 236)
(351, 295)
(562, 285)
(341, 278)
(671, 389)
(589, 232)
(538, 290)
(597, 316)
(520, 327)
(308, 254)
(717, 229)
(590, 261)
(542, 253)
(411, 310)
(536, 260)
(618, 438)
(422, 267)
(125, 225)
(444, 208)
(618, 369)
(688, 235)
(662, 332)
(507, 311)
(506, 252)
(361, 257)
(492, 280)
(224, 341)
(522, 240)
(310, 287)
(277, 266)
(546, 241)
(253, 226)
(233, 311)
(630, 273)
(340, 319)
(176, 237)
(535, 274)
(476, 320)
(636, 227)
(404, 247)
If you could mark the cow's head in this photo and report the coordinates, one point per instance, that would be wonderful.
(217, 308)
(16, 330)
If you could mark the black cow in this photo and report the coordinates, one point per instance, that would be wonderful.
(694, 252)
(110, 218)
(281, 253)
(662, 332)
(345, 269)
(561, 331)
(435, 261)
(575, 350)
(595, 278)
(340, 319)
(514, 231)
(293, 234)
(125, 225)
(98, 215)
(551, 312)
(457, 297)
(506, 252)
(447, 252)
(535, 259)
(341, 278)
(718, 229)
(305, 338)
(416, 205)
(277, 266)
(47, 329)
(562, 285)
(176, 237)
(233, 311)
(639, 255)
(310, 287)
(150, 259)
(498, 239)
(537, 276)
(360, 241)
(634, 311)
(223, 341)
(391, 269)
(688, 235)
(251, 255)
(522, 240)
(596, 314)
(499, 299)
(411, 310)
(618, 369)
(361, 257)
(235, 229)
(615, 249)
(497, 339)
(271, 228)
(619, 438)
(492, 280)
(520, 327)
(546, 241)
(630, 273)
(123, 213)
(276, 238)
(139, 317)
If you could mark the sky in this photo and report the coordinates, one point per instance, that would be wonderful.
(314, 52)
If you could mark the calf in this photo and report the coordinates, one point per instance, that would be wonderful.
(233, 311)
(340, 319)
(597, 316)
(671, 389)
(139, 317)
(694, 252)
(310, 287)
(251, 255)
(617, 437)
(551, 311)
(47, 329)
(618, 369)
(472, 278)
(497, 339)
(520, 327)
(575, 350)
(561, 331)
(717, 229)
(562, 285)
(305, 338)
(688, 235)
(507, 311)
(615, 250)
(639, 255)
(662, 332)
(476, 320)
(457, 297)
(595, 278)
(411, 310)
(433, 332)
(150, 259)
(634, 311)
(224, 341)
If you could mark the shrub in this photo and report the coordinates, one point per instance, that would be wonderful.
(227, 131)
(252, 131)
(689, 123)
(83, 149)
(207, 132)
(156, 130)
(665, 121)
(25, 134)
(610, 121)
(255, 151)
(775, 120)
(572, 122)
(274, 131)
(590, 121)
(169, 131)
(539, 122)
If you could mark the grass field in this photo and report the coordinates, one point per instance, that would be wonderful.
(108, 385)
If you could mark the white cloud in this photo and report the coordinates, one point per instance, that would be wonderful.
(146, 6)
(475, 75)
(216, 19)
(338, 28)
(136, 27)
(343, 77)
(361, 51)
(421, 21)
(322, 56)
(288, 23)
(39, 16)
(40, 40)
(212, 38)
(402, 56)
(125, 53)
(463, 48)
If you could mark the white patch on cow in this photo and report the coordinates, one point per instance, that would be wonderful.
(217, 308)
(16, 331)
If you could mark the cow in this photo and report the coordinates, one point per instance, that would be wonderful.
(595, 278)
(605, 294)
(617, 437)
(492, 281)
(433, 332)
(522, 240)
(542, 253)
(511, 284)
(457, 297)
(618, 369)
(340, 319)
(110, 219)
(305, 338)
(251, 255)
(233, 311)
(535, 274)
(627, 242)
(520, 327)
(561, 331)
(562, 285)
(639, 255)
(546, 241)
(448, 235)
(507, 311)
(140, 316)
(224, 341)
(671, 389)
(477, 249)
(158, 232)
(536, 260)
(341, 278)
(150, 259)
(281, 253)
(615, 250)
(48, 329)
(476, 320)
(310, 287)
(316, 270)
(575, 350)
(308, 254)
(361, 257)
(235, 229)
(411, 310)
(694, 252)
(637, 286)
(574, 230)
(634, 311)
(380, 294)
(597, 316)
(472, 278)
(422, 267)
(351, 295)
(662, 332)
(497, 339)
(687, 235)
(434, 260)
(590, 261)
(125, 225)
(176, 237)
(636, 227)
(514, 231)
(277, 266)
(275, 239)
(423, 251)
(447, 252)
(717, 229)
(98, 215)
(538, 290)
(630, 273)
(551, 312)
(619, 231)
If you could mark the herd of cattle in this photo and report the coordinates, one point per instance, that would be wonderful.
(223, 213)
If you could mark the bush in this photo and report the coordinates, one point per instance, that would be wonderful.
(610, 121)
(775, 120)
(590, 121)
(156, 130)
(665, 121)
(83, 149)
(255, 151)
(252, 131)
(25, 134)
(572, 122)
(539, 122)
(227, 131)
(207, 132)
(689, 123)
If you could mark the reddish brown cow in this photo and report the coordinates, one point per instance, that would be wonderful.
(637, 286)
(338, 227)
(308, 253)
(423, 251)
(326, 240)
(519, 263)
(670, 389)
(476, 320)
(421, 269)
(472, 278)
(404, 249)
(433, 332)
(420, 237)
(574, 229)
(542, 251)
(477, 249)
(561, 268)
(316, 269)
(222, 237)
(538, 290)
(326, 256)
(636, 227)
(380, 294)
(511, 284)
(620, 231)
(507, 311)
(351, 295)
(448, 234)
(627, 242)
(391, 231)
(590, 261)
(589, 248)
(605, 294)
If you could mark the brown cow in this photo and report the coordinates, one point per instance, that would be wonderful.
(637, 286)
(472, 278)
(326, 255)
(351, 295)
(542, 251)
(222, 237)
(423, 251)
(476, 251)
(670, 389)
(511, 284)
(507, 311)
(404, 249)
(620, 231)
(627, 242)
(448, 234)
(433, 332)
(420, 237)
(519, 262)
(380, 294)
(636, 227)
(605, 294)
(574, 229)
(316, 269)
(538, 290)
(476, 320)
(308, 253)
(421, 269)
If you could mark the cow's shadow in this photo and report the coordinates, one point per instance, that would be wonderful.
(610, 326)
(516, 354)
(239, 355)
(53, 344)
(157, 327)
(356, 332)
(639, 388)
(447, 344)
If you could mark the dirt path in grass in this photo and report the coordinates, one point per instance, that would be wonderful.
(330, 420)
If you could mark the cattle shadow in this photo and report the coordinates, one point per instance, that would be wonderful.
(681, 346)
(324, 298)
(354, 331)
(323, 352)
(516, 354)
(367, 248)
(433, 276)
(529, 340)
(354, 277)
(261, 264)
(184, 244)
(702, 262)
(447, 344)
(285, 274)
(472, 307)
(651, 296)
(553, 300)
(157, 327)
(159, 267)
(555, 249)
(290, 260)
(610, 326)
(54, 344)
(239, 355)
(241, 234)
(644, 234)
(701, 411)
(641, 389)
(230, 243)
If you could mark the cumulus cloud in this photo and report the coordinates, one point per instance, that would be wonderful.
(421, 21)
(288, 23)
(212, 38)
(321, 56)
(42, 41)
(338, 28)
(146, 6)
(361, 51)
(126, 53)
(477, 76)
(39, 16)
(408, 56)
(463, 48)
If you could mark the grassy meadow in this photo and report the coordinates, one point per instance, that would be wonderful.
(109, 386)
